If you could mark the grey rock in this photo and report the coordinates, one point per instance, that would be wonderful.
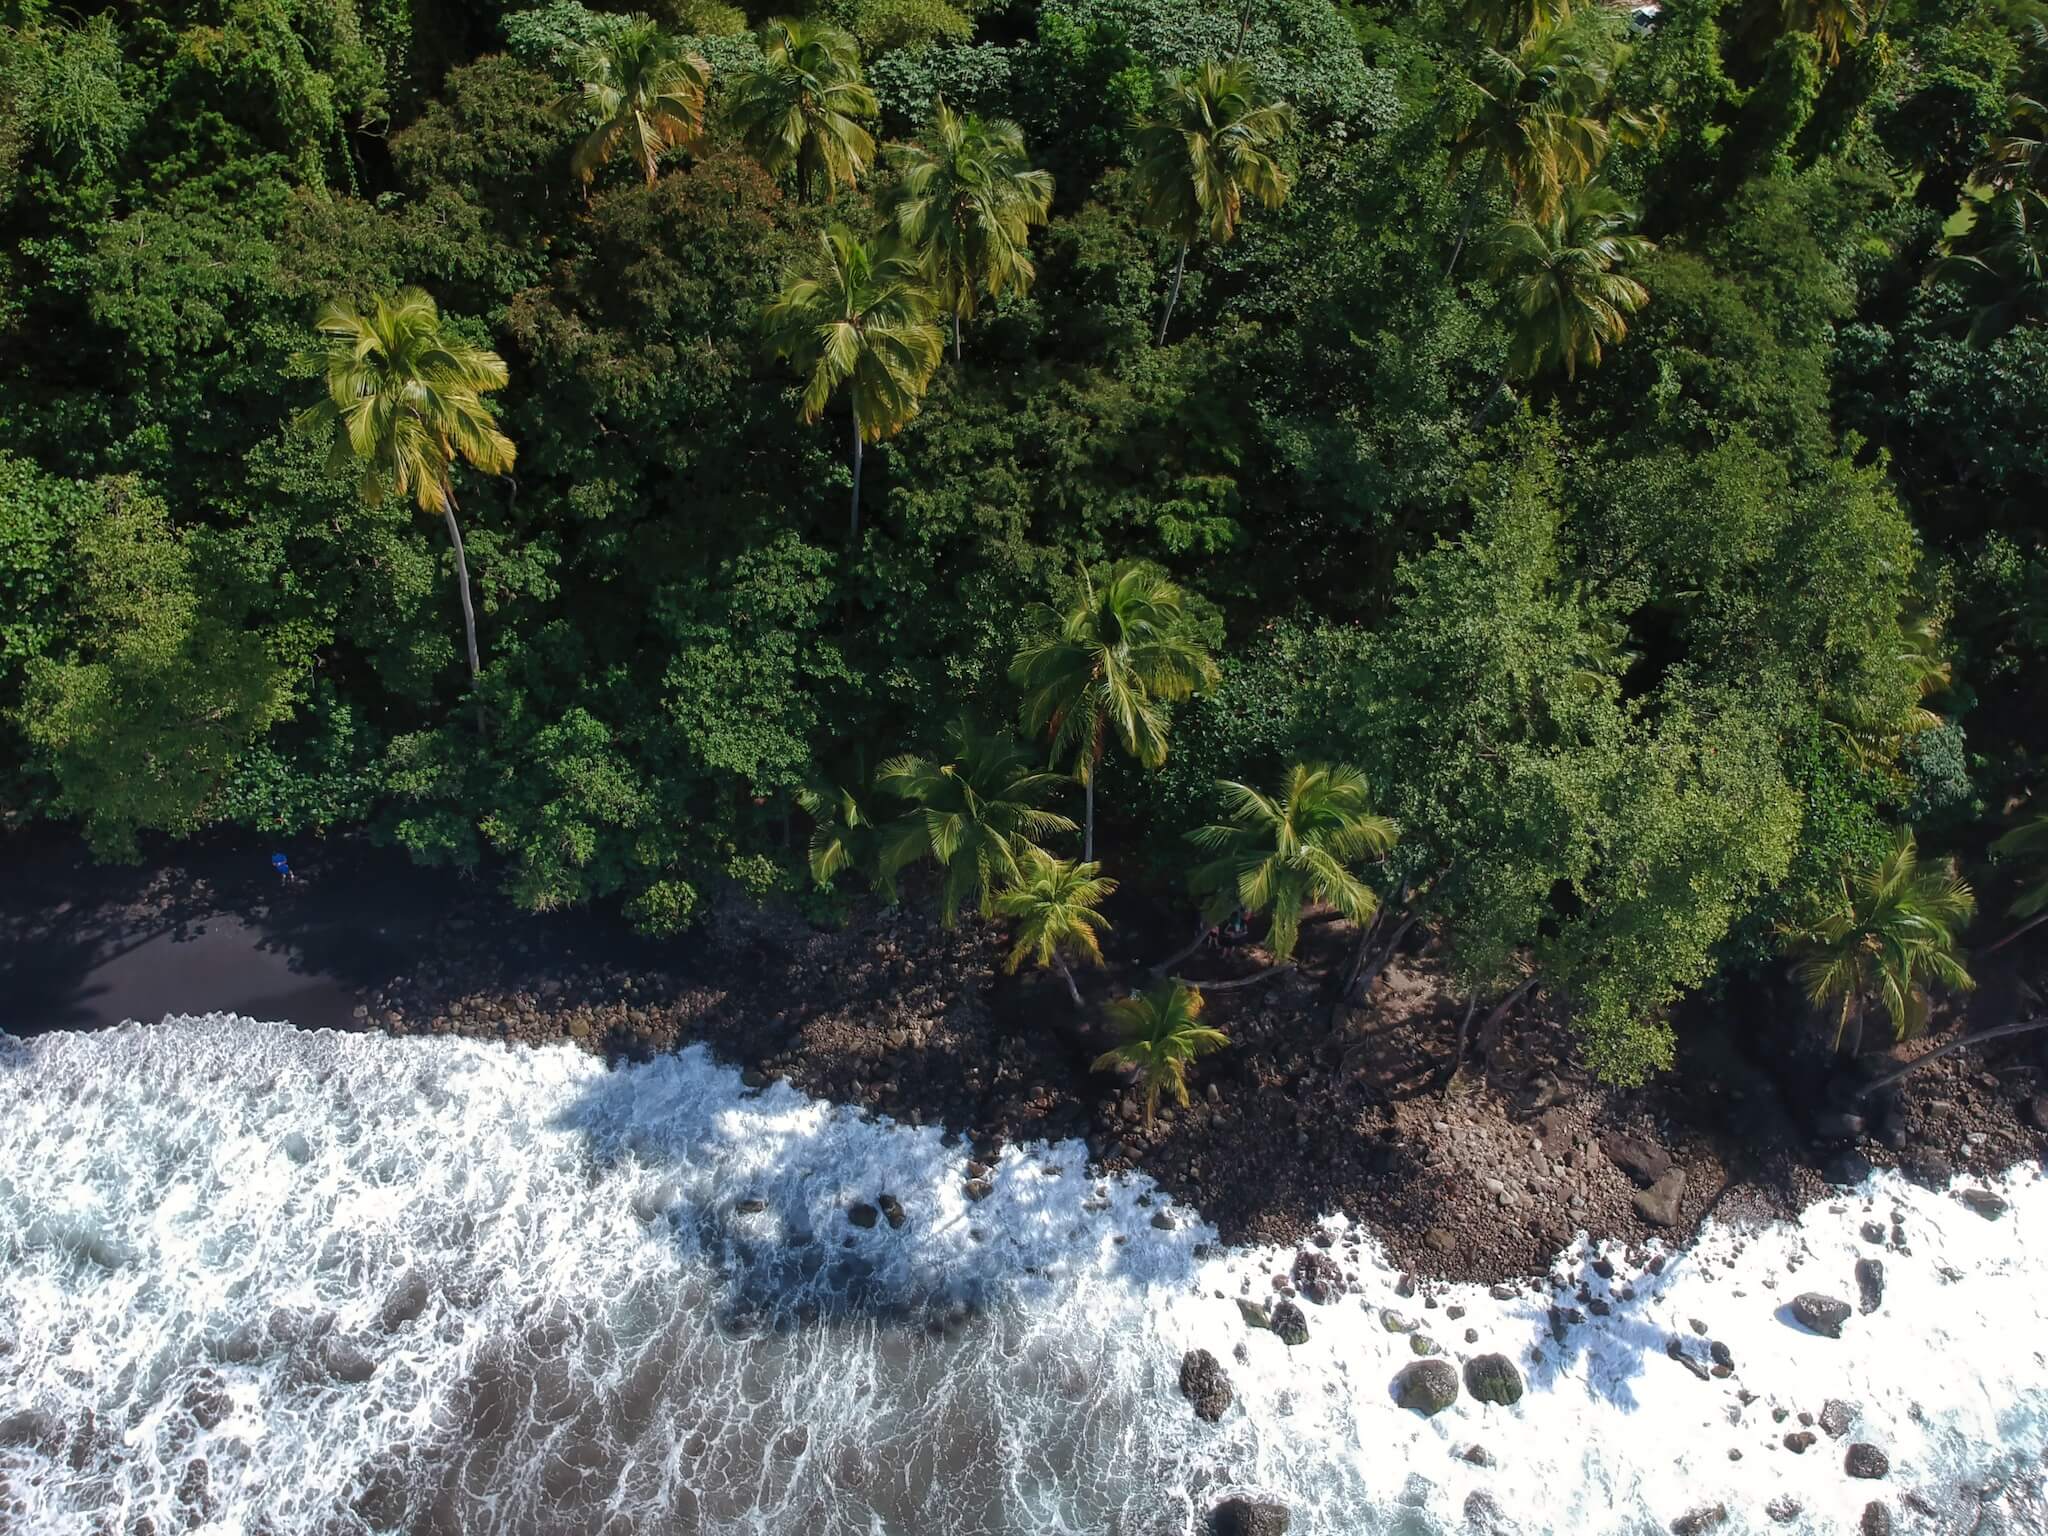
(1866, 1461)
(1290, 1324)
(1869, 1285)
(1394, 1322)
(1836, 1416)
(1426, 1387)
(892, 1210)
(1983, 1202)
(1493, 1379)
(1821, 1314)
(1249, 1517)
(1659, 1204)
(1254, 1315)
(1721, 1354)
(863, 1215)
(1477, 1455)
(1699, 1521)
(1798, 1441)
(1638, 1157)
(1783, 1509)
(1318, 1277)
(1877, 1520)
(1423, 1344)
(1204, 1383)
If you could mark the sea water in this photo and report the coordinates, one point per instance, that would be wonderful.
(259, 1280)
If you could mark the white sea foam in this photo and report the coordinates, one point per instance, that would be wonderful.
(257, 1280)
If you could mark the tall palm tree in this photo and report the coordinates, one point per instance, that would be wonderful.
(1278, 853)
(647, 91)
(859, 319)
(803, 105)
(966, 201)
(1053, 904)
(1537, 124)
(1162, 1032)
(1570, 296)
(1890, 936)
(1207, 147)
(2001, 261)
(404, 403)
(2028, 841)
(1108, 665)
(975, 813)
(1502, 21)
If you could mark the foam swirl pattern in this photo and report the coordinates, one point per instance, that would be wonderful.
(258, 1280)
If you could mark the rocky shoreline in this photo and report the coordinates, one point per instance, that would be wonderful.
(894, 1015)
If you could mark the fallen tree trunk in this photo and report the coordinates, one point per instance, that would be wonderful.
(1243, 981)
(2003, 1031)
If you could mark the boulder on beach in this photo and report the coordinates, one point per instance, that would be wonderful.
(1290, 1323)
(1866, 1461)
(1869, 1285)
(1637, 1156)
(1204, 1383)
(1699, 1521)
(1659, 1204)
(1249, 1517)
(1427, 1387)
(1493, 1379)
(1821, 1314)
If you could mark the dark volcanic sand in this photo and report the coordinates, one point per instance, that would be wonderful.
(892, 1014)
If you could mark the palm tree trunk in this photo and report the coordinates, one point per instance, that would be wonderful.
(855, 530)
(1500, 387)
(1243, 981)
(1878, 1084)
(2027, 927)
(1180, 263)
(462, 587)
(1088, 833)
(1201, 933)
(1471, 207)
(1059, 963)
(956, 338)
(1464, 1034)
(1364, 983)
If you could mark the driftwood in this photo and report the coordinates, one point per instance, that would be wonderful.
(1243, 981)
(1879, 1084)
(1202, 932)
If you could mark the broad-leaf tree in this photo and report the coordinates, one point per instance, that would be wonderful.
(965, 201)
(803, 106)
(860, 319)
(1105, 668)
(976, 811)
(1209, 145)
(1890, 935)
(1052, 903)
(646, 91)
(1301, 844)
(404, 404)
(1162, 1033)
(1564, 274)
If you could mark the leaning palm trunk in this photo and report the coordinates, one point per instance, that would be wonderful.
(1879, 1084)
(1201, 934)
(462, 588)
(1066, 974)
(2027, 927)
(1471, 207)
(1180, 263)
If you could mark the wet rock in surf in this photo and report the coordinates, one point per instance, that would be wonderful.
(750, 1206)
(1799, 1440)
(1290, 1323)
(1423, 1344)
(1699, 1521)
(1983, 1202)
(1204, 1383)
(346, 1361)
(892, 1210)
(863, 1215)
(1493, 1379)
(1820, 1314)
(1394, 1322)
(1427, 1387)
(1484, 1515)
(1249, 1517)
(1877, 1520)
(978, 1189)
(1866, 1461)
(1318, 1277)
(1836, 1416)
(1869, 1285)
(1659, 1204)
(1254, 1315)
(408, 1299)
(1784, 1509)
(207, 1400)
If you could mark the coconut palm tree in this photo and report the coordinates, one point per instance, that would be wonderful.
(404, 403)
(2001, 261)
(966, 200)
(1501, 22)
(1891, 934)
(2027, 841)
(1833, 22)
(803, 105)
(1564, 277)
(1537, 122)
(1208, 146)
(859, 319)
(1278, 853)
(975, 813)
(647, 91)
(1053, 904)
(847, 816)
(1107, 666)
(1162, 1032)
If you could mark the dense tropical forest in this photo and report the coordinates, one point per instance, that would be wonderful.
(1574, 480)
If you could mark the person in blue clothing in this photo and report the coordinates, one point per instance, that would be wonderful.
(283, 866)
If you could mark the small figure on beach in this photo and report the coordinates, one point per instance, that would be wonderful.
(283, 866)
(1238, 929)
